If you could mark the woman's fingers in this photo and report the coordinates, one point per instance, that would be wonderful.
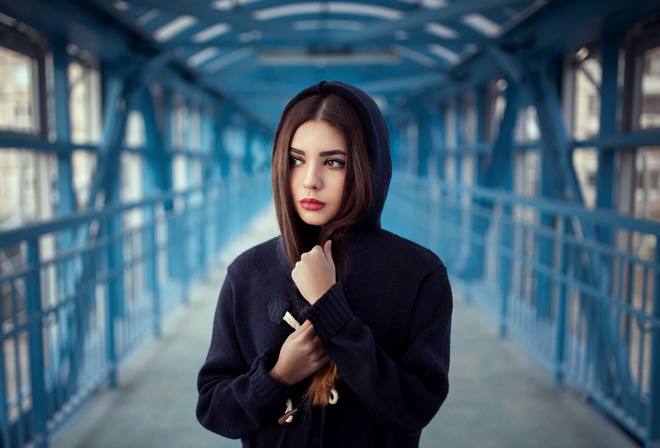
(314, 274)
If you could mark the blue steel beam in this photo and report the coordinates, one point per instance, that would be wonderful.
(159, 159)
(239, 18)
(608, 118)
(118, 103)
(418, 18)
(422, 116)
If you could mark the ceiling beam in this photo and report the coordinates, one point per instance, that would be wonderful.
(416, 19)
(239, 20)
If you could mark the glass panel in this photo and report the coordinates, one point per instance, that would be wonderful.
(18, 187)
(649, 116)
(469, 119)
(179, 122)
(450, 127)
(527, 173)
(84, 166)
(585, 162)
(647, 183)
(588, 76)
(85, 104)
(17, 92)
(527, 128)
(135, 130)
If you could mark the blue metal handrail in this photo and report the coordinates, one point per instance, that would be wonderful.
(69, 318)
(589, 310)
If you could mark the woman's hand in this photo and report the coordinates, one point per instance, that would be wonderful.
(314, 274)
(301, 355)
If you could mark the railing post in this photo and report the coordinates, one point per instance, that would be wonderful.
(115, 288)
(653, 429)
(151, 245)
(36, 346)
(561, 305)
(506, 230)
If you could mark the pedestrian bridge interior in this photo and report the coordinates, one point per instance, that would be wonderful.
(135, 140)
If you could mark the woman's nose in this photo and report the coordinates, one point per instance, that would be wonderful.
(312, 179)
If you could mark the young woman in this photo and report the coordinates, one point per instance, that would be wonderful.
(337, 332)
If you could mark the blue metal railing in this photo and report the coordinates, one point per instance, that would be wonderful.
(588, 309)
(68, 319)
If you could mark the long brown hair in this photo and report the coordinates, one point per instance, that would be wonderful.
(300, 237)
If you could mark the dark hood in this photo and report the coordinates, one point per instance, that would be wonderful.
(377, 139)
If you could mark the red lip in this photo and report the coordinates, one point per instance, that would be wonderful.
(311, 204)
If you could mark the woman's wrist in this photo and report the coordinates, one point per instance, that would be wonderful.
(275, 374)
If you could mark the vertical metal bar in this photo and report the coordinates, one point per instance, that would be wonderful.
(20, 425)
(609, 93)
(653, 430)
(152, 268)
(561, 305)
(114, 289)
(4, 421)
(36, 347)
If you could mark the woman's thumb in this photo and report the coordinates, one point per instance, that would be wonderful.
(327, 250)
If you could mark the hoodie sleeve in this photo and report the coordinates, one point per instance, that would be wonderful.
(236, 399)
(405, 393)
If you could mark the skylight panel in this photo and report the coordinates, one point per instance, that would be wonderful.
(444, 53)
(441, 31)
(294, 9)
(482, 24)
(147, 17)
(287, 10)
(428, 4)
(380, 12)
(176, 26)
(209, 33)
(121, 5)
(416, 56)
(225, 5)
(228, 59)
(203, 56)
(349, 25)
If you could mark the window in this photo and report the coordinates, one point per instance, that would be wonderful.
(18, 105)
(85, 102)
(586, 104)
(649, 116)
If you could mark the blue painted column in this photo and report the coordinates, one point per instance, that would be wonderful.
(117, 96)
(605, 178)
(66, 197)
(558, 171)
(222, 170)
(153, 167)
(422, 116)
(76, 318)
(441, 150)
(423, 219)
(458, 150)
(175, 260)
(653, 413)
(499, 174)
(36, 347)
(480, 223)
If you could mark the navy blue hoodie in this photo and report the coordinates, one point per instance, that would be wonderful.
(387, 328)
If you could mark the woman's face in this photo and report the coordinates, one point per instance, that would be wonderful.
(317, 160)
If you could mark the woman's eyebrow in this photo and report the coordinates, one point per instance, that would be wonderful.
(333, 152)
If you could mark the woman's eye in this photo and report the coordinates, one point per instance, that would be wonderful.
(295, 161)
(334, 163)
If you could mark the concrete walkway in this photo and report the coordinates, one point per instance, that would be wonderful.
(499, 397)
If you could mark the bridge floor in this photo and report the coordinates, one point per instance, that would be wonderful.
(499, 396)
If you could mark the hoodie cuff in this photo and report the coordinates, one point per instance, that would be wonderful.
(329, 313)
(268, 388)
